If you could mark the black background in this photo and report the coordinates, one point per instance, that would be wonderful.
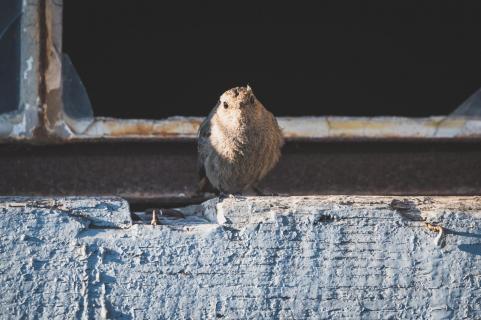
(152, 59)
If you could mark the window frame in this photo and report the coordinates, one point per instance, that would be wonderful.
(40, 117)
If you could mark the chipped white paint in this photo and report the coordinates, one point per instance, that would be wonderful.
(297, 128)
(24, 123)
(170, 127)
(304, 126)
(21, 124)
(271, 257)
(28, 69)
(320, 128)
(101, 212)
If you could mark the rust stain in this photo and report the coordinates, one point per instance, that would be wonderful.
(359, 124)
(187, 126)
(354, 129)
(41, 132)
(49, 108)
(145, 128)
(452, 123)
(126, 129)
(340, 128)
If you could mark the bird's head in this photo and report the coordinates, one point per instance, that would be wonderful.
(238, 100)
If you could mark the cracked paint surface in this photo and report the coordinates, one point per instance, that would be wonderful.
(267, 257)
(297, 128)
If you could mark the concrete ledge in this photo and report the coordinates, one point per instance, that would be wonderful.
(99, 211)
(268, 257)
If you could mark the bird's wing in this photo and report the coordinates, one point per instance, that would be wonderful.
(203, 148)
(203, 140)
(275, 124)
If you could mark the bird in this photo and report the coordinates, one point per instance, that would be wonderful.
(238, 143)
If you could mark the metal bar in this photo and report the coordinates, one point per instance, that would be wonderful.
(299, 128)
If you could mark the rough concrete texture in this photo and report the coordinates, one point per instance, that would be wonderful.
(268, 257)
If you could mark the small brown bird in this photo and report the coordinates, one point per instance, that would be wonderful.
(239, 143)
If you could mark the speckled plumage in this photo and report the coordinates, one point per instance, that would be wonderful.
(239, 142)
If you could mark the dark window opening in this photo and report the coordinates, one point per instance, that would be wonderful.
(150, 59)
(10, 12)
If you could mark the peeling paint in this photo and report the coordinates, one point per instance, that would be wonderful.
(309, 128)
(297, 128)
(28, 69)
(329, 257)
(170, 127)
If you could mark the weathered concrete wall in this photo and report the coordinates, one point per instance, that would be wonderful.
(271, 257)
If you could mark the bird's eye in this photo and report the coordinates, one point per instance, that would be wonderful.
(251, 99)
(226, 105)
